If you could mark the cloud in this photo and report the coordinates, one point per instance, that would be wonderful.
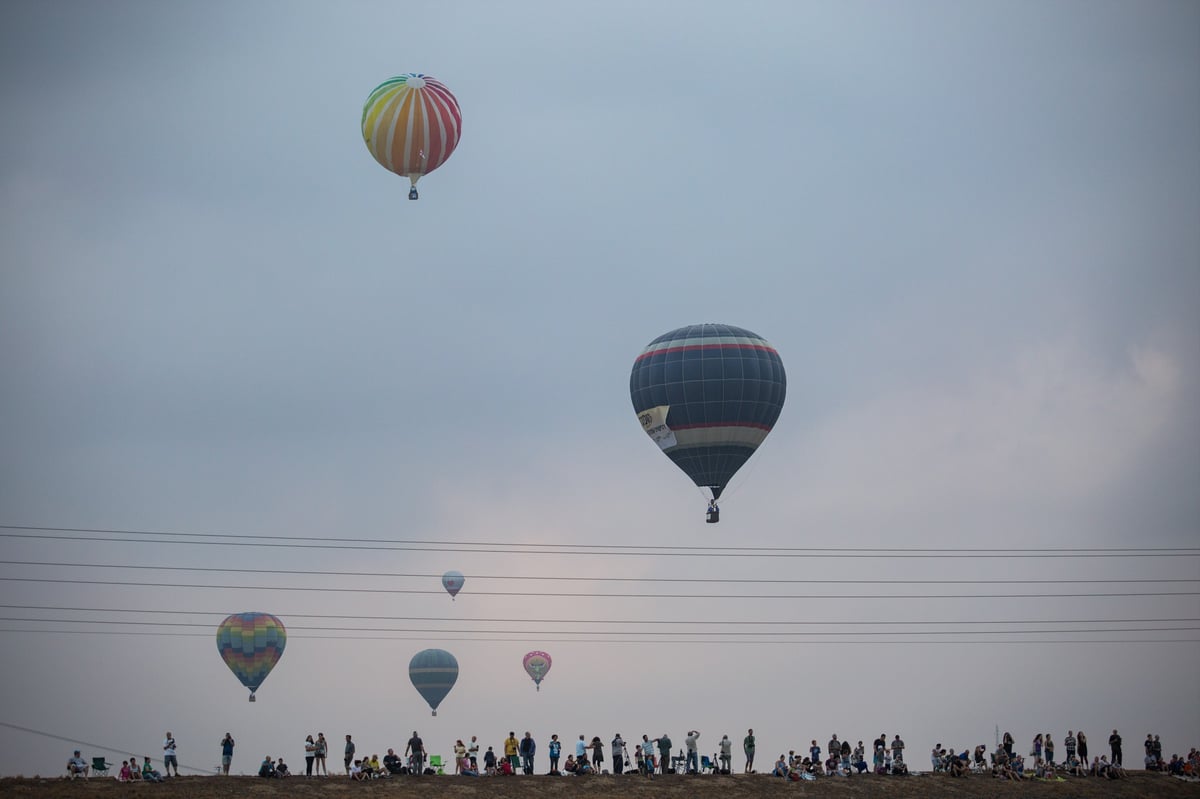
(1049, 430)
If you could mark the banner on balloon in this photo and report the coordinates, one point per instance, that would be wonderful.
(654, 422)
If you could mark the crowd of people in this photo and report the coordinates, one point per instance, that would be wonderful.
(657, 755)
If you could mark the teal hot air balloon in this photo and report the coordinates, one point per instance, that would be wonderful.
(453, 582)
(251, 644)
(708, 395)
(433, 673)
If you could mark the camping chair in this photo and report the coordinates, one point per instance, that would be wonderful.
(706, 764)
(435, 763)
(100, 767)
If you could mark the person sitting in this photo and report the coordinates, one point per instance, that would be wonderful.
(582, 766)
(267, 767)
(281, 768)
(124, 775)
(831, 765)
(356, 771)
(465, 768)
(781, 767)
(570, 766)
(391, 762)
(505, 767)
(149, 773)
(77, 766)
(135, 773)
(956, 766)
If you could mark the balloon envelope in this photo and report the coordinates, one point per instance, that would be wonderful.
(708, 395)
(411, 124)
(536, 665)
(251, 644)
(453, 582)
(433, 673)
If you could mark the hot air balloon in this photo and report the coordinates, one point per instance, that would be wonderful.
(536, 665)
(453, 582)
(708, 395)
(433, 673)
(411, 124)
(251, 644)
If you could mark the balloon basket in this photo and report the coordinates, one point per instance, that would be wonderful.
(253, 698)
(434, 713)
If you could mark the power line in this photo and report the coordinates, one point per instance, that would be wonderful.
(81, 743)
(704, 633)
(674, 622)
(638, 641)
(568, 578)
(411, 591)
(638, 549)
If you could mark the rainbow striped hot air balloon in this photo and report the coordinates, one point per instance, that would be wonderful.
(411, 125)
(251, 644)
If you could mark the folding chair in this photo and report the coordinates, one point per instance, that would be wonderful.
(706, 764)
(435, 763)
(100, 767)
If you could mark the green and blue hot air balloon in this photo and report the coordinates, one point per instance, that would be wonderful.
(708, 395)
(433, 673)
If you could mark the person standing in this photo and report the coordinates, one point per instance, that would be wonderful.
(512, 750)
(664, 753)
(1081, 742)
(527, 749)
(473, 753)
(618, 754)
(648, 755)
(322, 754)
(1069, 744)
(414, 750)
(1114, 744)
(898, 749)
(1008, 744)
(169, 759)
(597, 748)
(310, 754)
(1049, 747)
(726, 754)
(226, 753)
(555, 752)
(350, 748)
(748, 748)
(693, 757)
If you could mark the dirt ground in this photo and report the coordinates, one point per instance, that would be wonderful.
(1138, 786)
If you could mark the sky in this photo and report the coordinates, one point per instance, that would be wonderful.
(969, 229)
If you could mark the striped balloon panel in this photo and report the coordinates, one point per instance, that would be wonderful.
(433, 673)
(725, 387)
(251, 644)
(411, 124)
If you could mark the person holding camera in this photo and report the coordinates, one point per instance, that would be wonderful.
(226, 753)
(693, 759)
(169, 760)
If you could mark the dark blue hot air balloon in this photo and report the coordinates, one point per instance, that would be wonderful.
(433, 673)
(708, 395)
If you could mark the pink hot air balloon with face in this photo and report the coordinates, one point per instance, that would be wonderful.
(536, 665)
